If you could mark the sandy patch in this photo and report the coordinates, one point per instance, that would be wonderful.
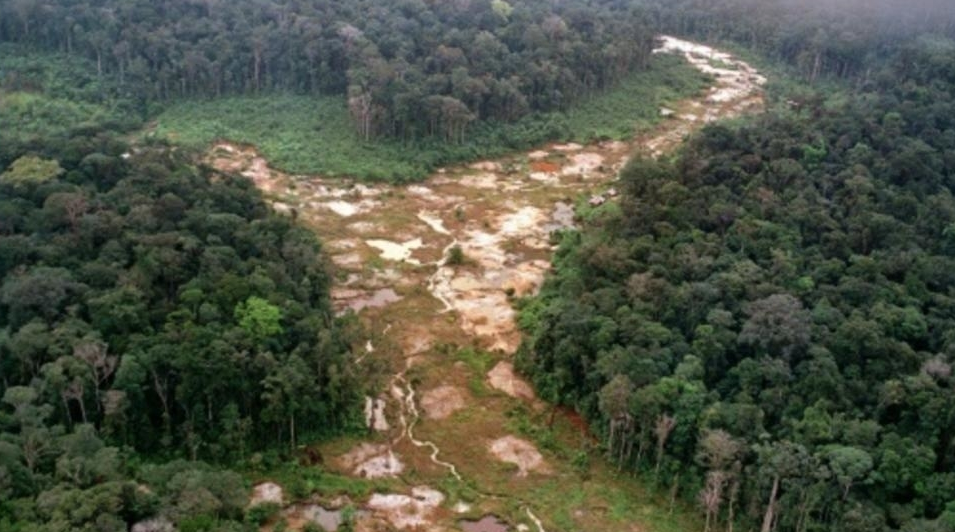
(521, 453)
(342, 208)
(483, 181)
(433, 221)
(322, 191)
(525, 221)
(348, 209)
(397, 252)
(385, 466)
(571, 146)
(544, 177)
(266, 492)
(281, 208)
(408, 511)
(538, 154)
(358, 300)
(365, 190)
(372, 461)
(420, 191)
(260, 174)
(485, 314)
(614, 146)
(344, 244)
(442, 401)
(527, 278)
(734, 81)
(347, 260)
(361, 453)
(486, 166)
(481, 299)
(364, 227)
(503, 378)
(583, 164)
(375, 408)
(467, 282)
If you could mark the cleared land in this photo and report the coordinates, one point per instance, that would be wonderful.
(450, 330)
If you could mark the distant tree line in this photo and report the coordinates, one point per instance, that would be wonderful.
(408, 68)
(847, 39)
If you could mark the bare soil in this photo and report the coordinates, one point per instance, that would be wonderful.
(390, 244)
(521, 453)
(443, 401)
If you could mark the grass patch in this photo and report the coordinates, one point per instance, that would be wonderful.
(455, 256)
(300, 482)
(33, 115)
(314, 134)
(479, 363)
(476, 360)
(634, 104)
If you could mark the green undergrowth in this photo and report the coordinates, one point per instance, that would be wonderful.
(301, 481)
(314, 135)
(599, 491)
(46, 98)
(479, 363)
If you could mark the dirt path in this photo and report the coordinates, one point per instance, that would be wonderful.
(432, 269)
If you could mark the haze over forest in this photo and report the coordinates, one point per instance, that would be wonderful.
(480, 265)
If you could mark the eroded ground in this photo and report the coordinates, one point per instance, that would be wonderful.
(433, 268)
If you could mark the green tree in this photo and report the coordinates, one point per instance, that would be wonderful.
(31, 170)
(259, 319)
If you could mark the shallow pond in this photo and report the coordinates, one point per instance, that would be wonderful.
(488, 523)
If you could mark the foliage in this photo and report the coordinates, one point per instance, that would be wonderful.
(768, 315)
(307, 134)
(51, 98)
(402, 69)
(30, 169)
(455, 256)
(259, 318)
(262, 513)
(150, 310)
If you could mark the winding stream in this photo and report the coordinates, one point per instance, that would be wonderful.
(408, 405)
(501, 214)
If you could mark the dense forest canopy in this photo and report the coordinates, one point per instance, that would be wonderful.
(765, 324)
(409, 68)
(150, 308)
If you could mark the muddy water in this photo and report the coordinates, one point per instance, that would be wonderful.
(488, 523)
(297, 516)
(389, 247)
(358, 300)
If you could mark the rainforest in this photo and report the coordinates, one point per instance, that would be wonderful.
(478, 265)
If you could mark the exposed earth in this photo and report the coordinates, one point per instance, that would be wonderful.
(454, 412)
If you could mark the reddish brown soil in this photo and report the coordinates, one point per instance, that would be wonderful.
(545, 166)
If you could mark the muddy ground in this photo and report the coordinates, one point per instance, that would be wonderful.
(389, 246)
